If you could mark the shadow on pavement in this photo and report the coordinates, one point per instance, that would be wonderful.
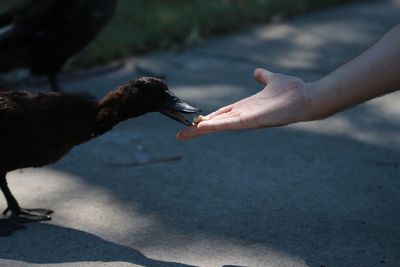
(45, 243)
(327, 199)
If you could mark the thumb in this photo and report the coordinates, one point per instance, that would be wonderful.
(262, 76)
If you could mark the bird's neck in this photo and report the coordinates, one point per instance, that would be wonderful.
(116, 107)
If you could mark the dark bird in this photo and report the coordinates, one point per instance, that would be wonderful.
(42, 35)
(37, 129)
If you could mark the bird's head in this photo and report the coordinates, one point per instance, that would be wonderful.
(151, 95)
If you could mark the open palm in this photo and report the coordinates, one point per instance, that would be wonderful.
(281, 102)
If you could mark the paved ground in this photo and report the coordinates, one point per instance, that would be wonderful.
(313, 194)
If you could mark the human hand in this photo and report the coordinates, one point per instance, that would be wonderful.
(281, 102)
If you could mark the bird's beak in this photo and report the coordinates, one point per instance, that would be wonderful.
(175, 108)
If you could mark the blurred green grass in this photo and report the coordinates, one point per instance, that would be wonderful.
(141, 26)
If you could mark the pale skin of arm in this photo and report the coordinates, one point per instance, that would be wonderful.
(286, 99)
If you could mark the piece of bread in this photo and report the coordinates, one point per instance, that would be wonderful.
(199, 119)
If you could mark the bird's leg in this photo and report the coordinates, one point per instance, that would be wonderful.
(18, 214)
(7, 226)
(55, 87)
(11, 201)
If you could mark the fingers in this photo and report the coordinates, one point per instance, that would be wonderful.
(263, 76)
(219, 112)
(214, 125)
(209, 125)
(223, 119)
(189, 133)
(218, 124)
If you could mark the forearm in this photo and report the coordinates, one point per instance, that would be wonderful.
(374, 73)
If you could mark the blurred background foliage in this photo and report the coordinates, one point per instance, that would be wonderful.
(140, 26)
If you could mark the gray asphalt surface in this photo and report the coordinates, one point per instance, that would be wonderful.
(314, 194)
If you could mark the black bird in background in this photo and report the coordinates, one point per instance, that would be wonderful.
(42, 35)
(37, 129)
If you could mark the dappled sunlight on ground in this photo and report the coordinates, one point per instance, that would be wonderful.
(86, 214)
(77, 203)
(311, 194)
(363, 123)
(388, 106)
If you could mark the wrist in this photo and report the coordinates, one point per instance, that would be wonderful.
(315, 107)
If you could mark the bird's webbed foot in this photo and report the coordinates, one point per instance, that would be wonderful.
(28, 215)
